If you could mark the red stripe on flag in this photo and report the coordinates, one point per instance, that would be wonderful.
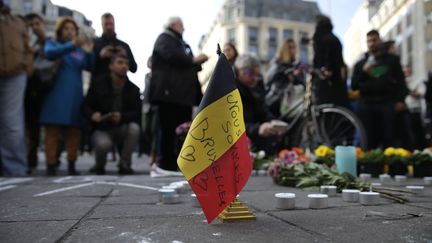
(218, 185)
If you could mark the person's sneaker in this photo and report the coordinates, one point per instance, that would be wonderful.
(125, 170)
(158, 172)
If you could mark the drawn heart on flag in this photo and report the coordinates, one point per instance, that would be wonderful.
(187, 153)
(198, 132)
(201, 180)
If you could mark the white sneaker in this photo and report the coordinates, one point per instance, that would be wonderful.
(158, 172)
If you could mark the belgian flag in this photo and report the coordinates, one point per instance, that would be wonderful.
(215, 156)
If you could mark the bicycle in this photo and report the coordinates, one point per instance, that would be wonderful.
(312, 125)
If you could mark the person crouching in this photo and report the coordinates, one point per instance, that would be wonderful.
(113, 106)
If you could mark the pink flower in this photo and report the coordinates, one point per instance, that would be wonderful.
(183, 128)
(274, 169)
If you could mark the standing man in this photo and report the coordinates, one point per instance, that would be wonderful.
(331, 84)
(33, 94)
(175, 88)
(107, 45)
(15, 64)
(380, 79)
(113, 105)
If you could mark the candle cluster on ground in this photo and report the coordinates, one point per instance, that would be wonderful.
(320, 201)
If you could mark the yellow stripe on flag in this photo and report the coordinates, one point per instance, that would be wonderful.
(213, 131)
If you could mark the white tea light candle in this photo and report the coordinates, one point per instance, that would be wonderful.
(166, 192)
(285, 200)
(262, 172)
(317, 201)
(170, 199)
(365, 177)
(427, 180)
(418, 190)
(384, 177)
(400, 178)
(195, 201)
(369, 198)
(329, 190)
(350, 195)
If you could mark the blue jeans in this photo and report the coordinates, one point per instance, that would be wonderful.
(12, 132)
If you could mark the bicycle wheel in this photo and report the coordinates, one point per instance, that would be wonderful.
(334, 126)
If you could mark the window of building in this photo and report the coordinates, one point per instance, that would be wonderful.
(232, 36)
(252, 12)
(399, 28)
(272, 42)
(410, 44)
(408, 19)
(288, 34)
(253, 40)
(230, 14)
(27, 6)
(304, 50)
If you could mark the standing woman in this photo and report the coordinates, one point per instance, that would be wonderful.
(284, 73)
(331, 84)
(61, 108)
(230, 52)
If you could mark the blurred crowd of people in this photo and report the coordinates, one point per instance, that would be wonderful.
(41, 86)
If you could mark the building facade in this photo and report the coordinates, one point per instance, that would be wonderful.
(260, 27)
(407, 22)
(51, 13)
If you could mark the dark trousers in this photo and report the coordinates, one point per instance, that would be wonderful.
(418, 130)
(378, 121)
(170, 116)
(403, 134)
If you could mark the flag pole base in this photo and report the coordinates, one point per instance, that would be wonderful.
(236, 211)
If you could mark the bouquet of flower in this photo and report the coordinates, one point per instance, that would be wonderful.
(422, 162)
(325, 155)
(312, 175)
(285, 159)
(396, 155)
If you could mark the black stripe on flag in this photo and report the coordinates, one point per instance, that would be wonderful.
(221, 83)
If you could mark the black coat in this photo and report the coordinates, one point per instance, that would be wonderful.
(102, 64)
(386, 84)
(100, 99)
(328, 55)
(255, 111)
(174, 75)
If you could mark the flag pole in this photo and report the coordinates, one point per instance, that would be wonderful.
(218, 51)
